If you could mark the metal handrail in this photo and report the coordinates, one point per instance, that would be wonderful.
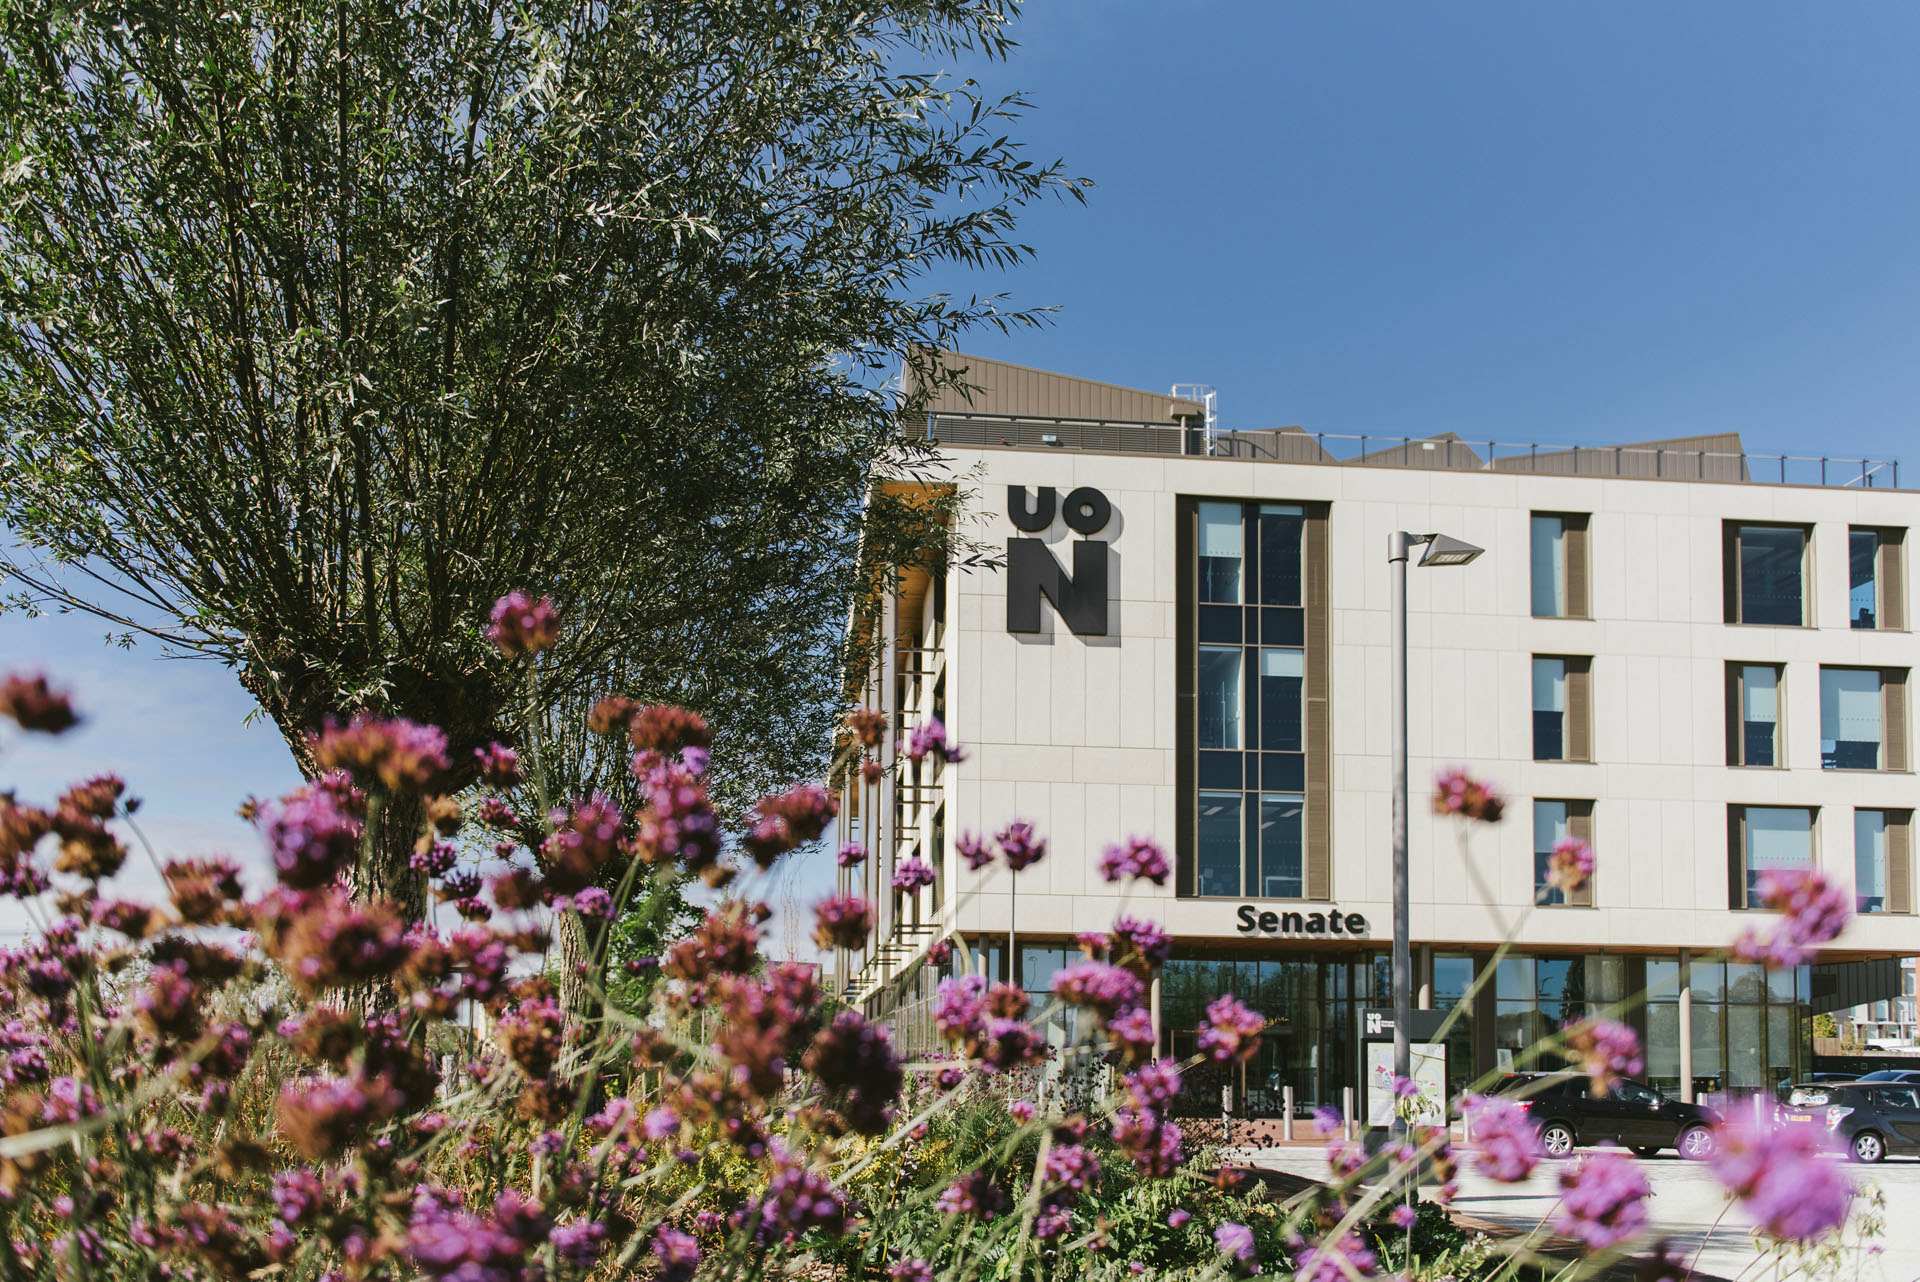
(1651, 461)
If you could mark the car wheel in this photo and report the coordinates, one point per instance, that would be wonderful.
(1696, 1144)
(1868, 1147)
(1646, 1150)
(1557, 1139)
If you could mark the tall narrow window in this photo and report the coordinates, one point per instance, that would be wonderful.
(1850, 718)
(1221, 553)
(1768, 838)
(1282, 528)
(1870, 861)
(1549, 567)
(1766, 575)
(1282, 679)
(1549, 709)
(1863, 577)
(1753, 700)
(1282, 847)
(1559, 557)
(1219, 696)
(1220, 830)
(1550, 827)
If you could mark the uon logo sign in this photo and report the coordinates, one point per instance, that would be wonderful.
(1032, 573)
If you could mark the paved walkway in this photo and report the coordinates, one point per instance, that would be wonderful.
(1688, 1206)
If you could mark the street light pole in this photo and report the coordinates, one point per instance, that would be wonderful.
(1440, 551)
(1398, 546)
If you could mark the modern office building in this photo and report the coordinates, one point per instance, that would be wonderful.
(1694, 657)
(1886, 1024)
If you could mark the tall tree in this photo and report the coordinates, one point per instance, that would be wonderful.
(321, 324)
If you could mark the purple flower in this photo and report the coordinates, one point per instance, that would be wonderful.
(975, 849)
(1404, 1217)
(523, 625)
(678, 1254)
(298, 1196)
(313, 839)
(1138, 858)
(930, 738)
(1232, 1030)
(1509, 1143)
(1072, 1168)
(1153, 1142)
(842, 921)
(1236, 1245)
(1570, 866)
(852, 855)
(1335, 1261)
(1782, 1180)
(1603, 1200)
(856, 1064)
(1099, 986)
(912, 874)
(393, 753)
(34, 705)
(1131, 1032)
(1178, 1217)
(1455, 792)
(973, 1194)
(796, 1200)
(593, 902)
(914, 1270)
(1814, 912)
(499, 765)
(1019, 844)
(1607, 1049)
(1153, 1085)
(660, 1123)
(960, 1008)
(1144, 940)
(940, 952)
(437, 860)
(579, 1244)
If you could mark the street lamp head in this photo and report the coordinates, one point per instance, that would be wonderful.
(1444, 550)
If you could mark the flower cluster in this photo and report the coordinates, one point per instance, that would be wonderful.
(1813, 912)
(930, 739)
(842, 921)
(391, 753)
(1020, 846)
(32, 704)
(1783, 1178)
(1232, 1031)
(522, 625)
(1570, 865)
(786, 820)
(911, 874)
(313, 834)
(1455, 792)
(1508, 1142)
(1607, 1049)
(1136, 859)
(1603, 1200)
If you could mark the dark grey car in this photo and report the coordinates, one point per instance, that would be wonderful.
(1568, 1111)
(1867, 1120)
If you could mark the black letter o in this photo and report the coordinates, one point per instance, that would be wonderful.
(1086, 510)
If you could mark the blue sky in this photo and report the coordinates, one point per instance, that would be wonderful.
(1523, 221)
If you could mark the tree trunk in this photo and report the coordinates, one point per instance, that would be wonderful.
(580, 977)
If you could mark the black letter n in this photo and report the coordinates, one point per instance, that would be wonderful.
(1081, 601)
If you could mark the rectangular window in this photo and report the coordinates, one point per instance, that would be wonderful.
(1219, 697)
(1551, 825)
(1851, 706)
(1549, 567)
(1282, 531)
(1220, 829)
(1549, 709)
(1554, 822)
(1221, 553)
(1283, 674)
(1559, 560)
(1870, 861)
(1753, 702)
(1768, 838)
(1863, 577)
(1766, 574)
(1282, 847)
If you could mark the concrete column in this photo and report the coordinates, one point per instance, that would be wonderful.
(1153, 1009)
(1423, 978)
(1686, 1028)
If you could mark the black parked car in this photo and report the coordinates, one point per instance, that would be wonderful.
(1867, 1119)
(1568, 1111)
(1897, 1076)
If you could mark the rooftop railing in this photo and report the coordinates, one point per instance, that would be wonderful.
(1682, 459)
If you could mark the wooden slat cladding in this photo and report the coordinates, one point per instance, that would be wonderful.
(1900, 861)
(1893, 700)
(1579, 744)
(1893, 584)
(1319, 666)
(1579, 575)
(1185, 695)
(1735, 720)
(1736, 857)
(1580, 825)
